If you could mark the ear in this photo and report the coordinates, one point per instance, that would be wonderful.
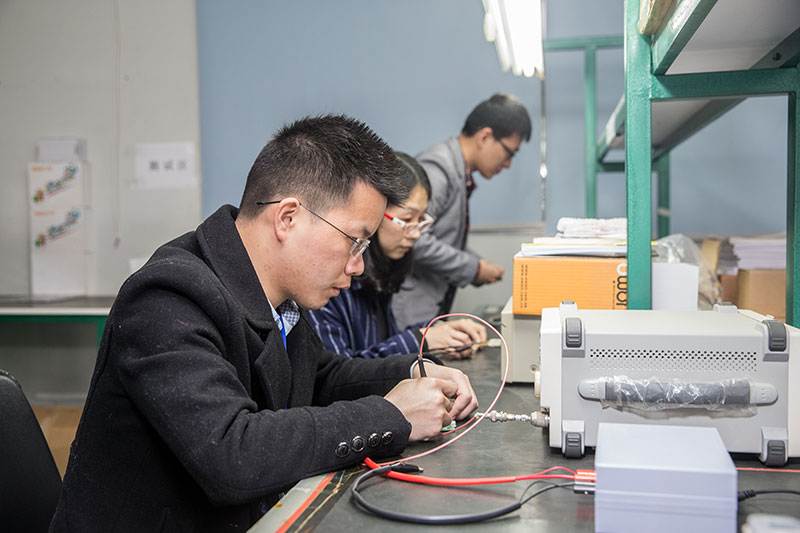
(284, 217)
(483, 135)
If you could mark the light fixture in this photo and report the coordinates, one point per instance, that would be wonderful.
(515, 27)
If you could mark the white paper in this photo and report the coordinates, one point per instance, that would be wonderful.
(165, 166)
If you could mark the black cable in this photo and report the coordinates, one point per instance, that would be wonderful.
(439, 520)
(749, 493)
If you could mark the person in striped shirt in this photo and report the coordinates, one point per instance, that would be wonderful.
(359, 322)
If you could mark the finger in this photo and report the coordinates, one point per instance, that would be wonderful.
(466, 402)
(448, 404)
(458, 411)
(477, 332)
(446, 420)
(460, 338)
(482, 332)
(448, 387)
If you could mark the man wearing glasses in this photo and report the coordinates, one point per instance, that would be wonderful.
(212, 394)
(491, 136)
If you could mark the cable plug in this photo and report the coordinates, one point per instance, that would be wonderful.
(746, 494)
(585, 482)
(407, 468)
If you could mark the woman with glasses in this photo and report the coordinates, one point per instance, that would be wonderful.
(359, 322)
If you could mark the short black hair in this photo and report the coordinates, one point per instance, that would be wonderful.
(319, 159)
(504, 113)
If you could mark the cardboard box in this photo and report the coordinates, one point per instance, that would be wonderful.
(763, 291)
(591, 282)
(728, 288)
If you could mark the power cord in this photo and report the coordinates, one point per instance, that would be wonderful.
(440, 520)
(749, 493)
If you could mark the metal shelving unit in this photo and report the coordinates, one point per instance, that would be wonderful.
(707, 58)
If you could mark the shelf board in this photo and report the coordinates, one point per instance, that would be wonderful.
(705, 36)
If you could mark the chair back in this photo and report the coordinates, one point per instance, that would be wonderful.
(29, 480)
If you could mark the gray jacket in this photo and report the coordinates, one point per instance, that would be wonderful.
(441, 259)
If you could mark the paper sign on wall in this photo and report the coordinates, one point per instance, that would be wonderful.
(165, 166)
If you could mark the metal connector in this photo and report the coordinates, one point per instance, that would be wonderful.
(585, 482)
(537, 418)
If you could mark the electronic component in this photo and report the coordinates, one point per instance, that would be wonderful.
(522, 334)
(727, 368)
(663, 479)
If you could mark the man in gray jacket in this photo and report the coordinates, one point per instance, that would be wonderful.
(491, 136)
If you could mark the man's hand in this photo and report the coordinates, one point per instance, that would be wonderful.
(425, 402)
(433, 402)
(488, 273)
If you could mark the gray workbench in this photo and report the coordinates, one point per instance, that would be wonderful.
(494, 449)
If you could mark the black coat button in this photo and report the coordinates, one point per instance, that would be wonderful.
(387, 438)
(342, 449)
(374, 440)
(357, 444)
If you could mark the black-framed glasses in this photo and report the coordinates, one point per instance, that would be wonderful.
(509, 152)
(359, 244)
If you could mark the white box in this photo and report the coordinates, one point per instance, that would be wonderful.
(675, 286)
(59, 149)
(663, 479)
(522, 335)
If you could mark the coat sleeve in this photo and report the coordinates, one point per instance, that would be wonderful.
(457, 266)
(169, 357)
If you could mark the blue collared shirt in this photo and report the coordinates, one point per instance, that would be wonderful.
(286, 316)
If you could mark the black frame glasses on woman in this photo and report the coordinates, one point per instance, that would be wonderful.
(359, 244)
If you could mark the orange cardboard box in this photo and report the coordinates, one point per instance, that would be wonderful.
(763, 291)
(591, 282)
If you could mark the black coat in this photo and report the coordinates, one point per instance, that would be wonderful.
(196, 417)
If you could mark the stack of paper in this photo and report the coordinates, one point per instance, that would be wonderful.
(563, 246)
(598, 228)
(760, 252)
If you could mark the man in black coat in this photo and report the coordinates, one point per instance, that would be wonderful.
(211, 392)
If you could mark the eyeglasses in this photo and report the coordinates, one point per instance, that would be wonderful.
(359, 244)
(509, 152)
(408, 227)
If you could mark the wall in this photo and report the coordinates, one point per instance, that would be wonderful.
(414, 69)
(116, 74)
(61, 75)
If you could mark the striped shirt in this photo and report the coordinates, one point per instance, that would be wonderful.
(349, 325)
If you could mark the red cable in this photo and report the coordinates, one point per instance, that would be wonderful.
(458, 482)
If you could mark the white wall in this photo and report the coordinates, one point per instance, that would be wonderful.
(115, 73)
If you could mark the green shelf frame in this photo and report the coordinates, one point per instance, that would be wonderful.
(646, 62)
(98, 321)
(647, 59)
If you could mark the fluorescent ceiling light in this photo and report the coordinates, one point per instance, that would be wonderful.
(515, 26)
(494, 18)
